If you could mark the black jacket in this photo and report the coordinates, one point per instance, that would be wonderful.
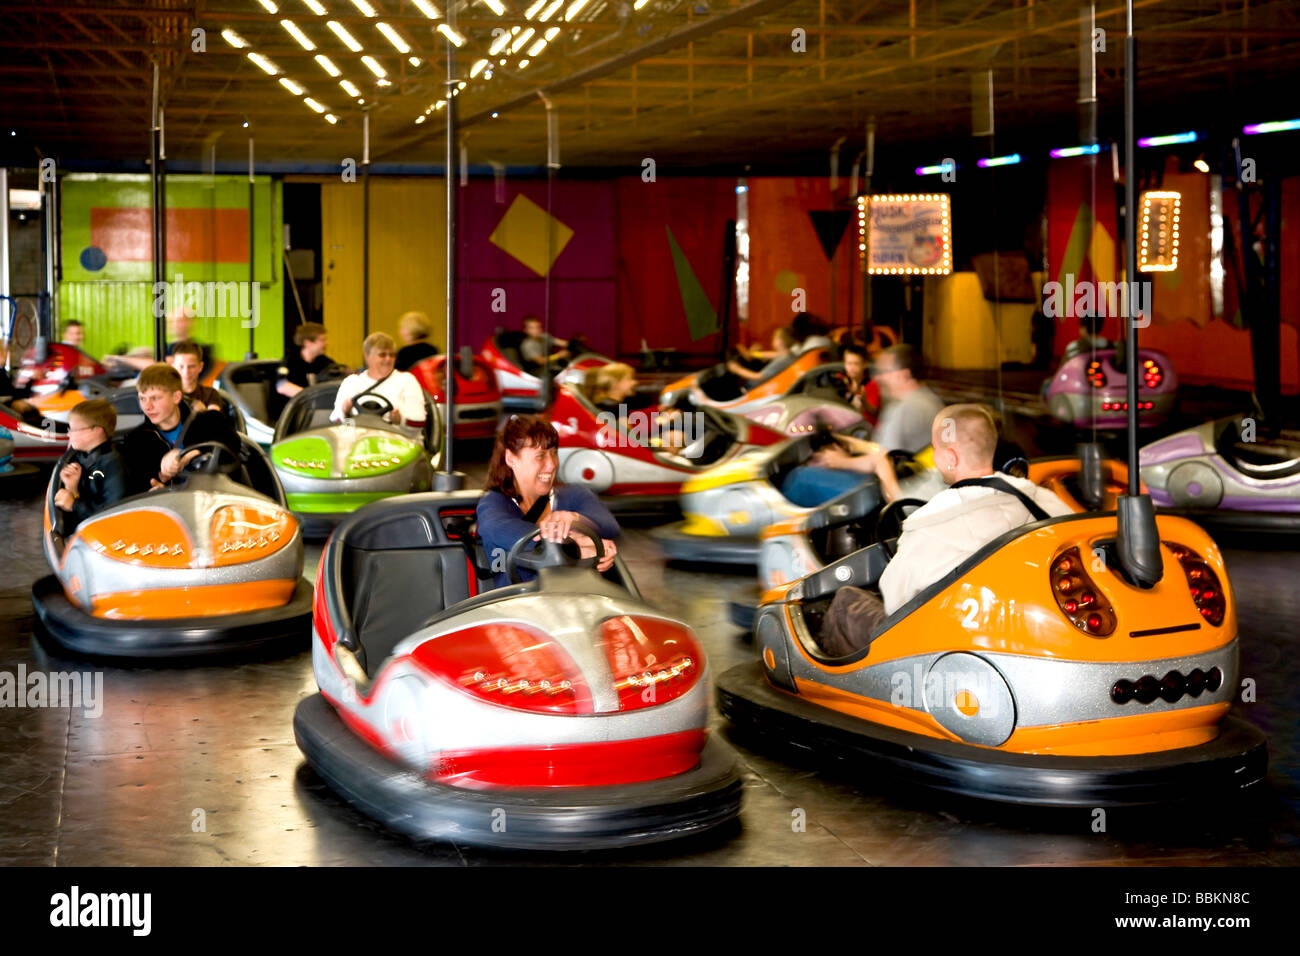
(145, 446)
(103, 483)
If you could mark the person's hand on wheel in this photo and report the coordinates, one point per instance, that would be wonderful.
(586, 549)
(173, 462)
(557, 525)
(63, 498)
(70, 477)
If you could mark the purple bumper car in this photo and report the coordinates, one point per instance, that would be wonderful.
(1091, 386)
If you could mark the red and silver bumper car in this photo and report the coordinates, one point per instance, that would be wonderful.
(561, 713)
(33, 444)
(478, 398)
(629, 465)
(521, 389)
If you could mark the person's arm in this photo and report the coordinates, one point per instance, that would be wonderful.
(738, 370)
(287, 388)
(412, 405)
(500, 524)
(583, 500)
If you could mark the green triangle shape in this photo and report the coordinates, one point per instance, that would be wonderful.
(1076, 249)
(701, 319)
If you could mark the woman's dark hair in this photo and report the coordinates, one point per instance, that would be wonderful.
(519, 432)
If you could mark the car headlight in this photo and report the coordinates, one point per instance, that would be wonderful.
(303, 456)
(379, 454)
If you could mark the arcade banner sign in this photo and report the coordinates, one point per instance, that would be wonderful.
(906, 234)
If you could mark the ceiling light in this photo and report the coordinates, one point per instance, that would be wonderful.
(233, 38)
(440, 104)
(1277, 126)
(1067, 151)
(499, 43)
(269, 6)
(341, 32)
(532, 11)
(264, 63)
(394, 37)
(495, 6)
(327, 64)
(303, 40)
(639, 4)
(382, 81)
(413, 60)
(521, 40)
(364, 7)
(314, 105)
(428, 9)
(575, 8)
(373, 66)
(503, 61)
(523, 64)
(494, 115)
(1010, 160)
(419, 120)
(537, 47)
(451, 34)
(477, 68)
(350, 88)
(1172, 139)
(461, 85)
(331, 118)
(932, 170)
(1202, 165)
(314, 7)
(550, 11)
(291, 86)
(552, 33)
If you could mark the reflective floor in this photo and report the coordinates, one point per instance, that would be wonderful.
(198, 765)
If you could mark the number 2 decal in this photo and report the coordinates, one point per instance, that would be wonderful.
(971, 607)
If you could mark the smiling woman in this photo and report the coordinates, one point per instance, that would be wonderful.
(522, 496)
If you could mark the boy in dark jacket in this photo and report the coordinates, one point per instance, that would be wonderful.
(153, 452)
(95, 476)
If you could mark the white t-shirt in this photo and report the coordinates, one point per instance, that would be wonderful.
(402, 389)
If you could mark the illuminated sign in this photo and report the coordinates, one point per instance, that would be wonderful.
(908, 234)
(1158, 251)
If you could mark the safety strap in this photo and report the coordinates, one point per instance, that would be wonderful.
(998, 484)
(372, 387)
(534, 514)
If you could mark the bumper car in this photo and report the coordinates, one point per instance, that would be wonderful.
(727, 508)
(1091, 388)
(1209, 474)
(329, 470)
(626, 466)
(808, 372)
(562, 713)
(212, 564)
(43, 444)
(478, 399)
(521, 389)
(1029, 674)
(803, 414)
(15, 476)
(250, 388)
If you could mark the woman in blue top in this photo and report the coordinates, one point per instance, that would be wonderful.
(522, 496)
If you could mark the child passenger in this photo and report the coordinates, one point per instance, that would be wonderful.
(95, 477)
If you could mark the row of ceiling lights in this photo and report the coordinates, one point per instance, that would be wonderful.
(517, 38)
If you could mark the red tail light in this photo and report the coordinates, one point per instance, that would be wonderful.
(1095, 374)
(653, 661)
(510, 666)
(1202, 583)
(1078, 597)
(1152, 373)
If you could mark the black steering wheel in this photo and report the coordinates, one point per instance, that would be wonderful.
(213, 458)
(534, 553)
(371, 403)
(889, 523)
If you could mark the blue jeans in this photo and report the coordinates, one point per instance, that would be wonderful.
(811, 485)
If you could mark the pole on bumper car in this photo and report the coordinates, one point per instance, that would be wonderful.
(1138, 542)
(252, 284)
(157, 199)
(448, 479)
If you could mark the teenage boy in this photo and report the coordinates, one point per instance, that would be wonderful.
(95, 475)
(187, 359)
(301, 366)
(152, 450)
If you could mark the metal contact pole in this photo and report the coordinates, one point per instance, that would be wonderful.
(552, 164)
(252, 282)
(157, 200)
(448, 479)
(365, 223)
(1130, 248)
(869, 165)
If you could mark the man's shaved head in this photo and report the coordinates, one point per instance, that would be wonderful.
(970, 430)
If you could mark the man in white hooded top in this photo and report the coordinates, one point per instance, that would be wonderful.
(947, 530)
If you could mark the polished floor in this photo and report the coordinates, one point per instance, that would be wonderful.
(198, 765)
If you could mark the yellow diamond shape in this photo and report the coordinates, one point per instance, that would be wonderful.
(522, 233)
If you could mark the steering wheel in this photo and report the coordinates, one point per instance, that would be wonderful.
(372, 404)
(889, 523)
(534, 553)
(214, 458)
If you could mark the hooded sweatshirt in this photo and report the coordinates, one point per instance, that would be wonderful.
(952, 526)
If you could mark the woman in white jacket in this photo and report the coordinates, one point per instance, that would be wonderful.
(977, 507)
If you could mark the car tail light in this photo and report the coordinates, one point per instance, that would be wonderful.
(1095, 374)
(1078, 597)
(242, 533)
(652, 660)
(1202, 583)
(151, 539)
(378, 454)
(1152, 374)
(508, 665)
(303, 456)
